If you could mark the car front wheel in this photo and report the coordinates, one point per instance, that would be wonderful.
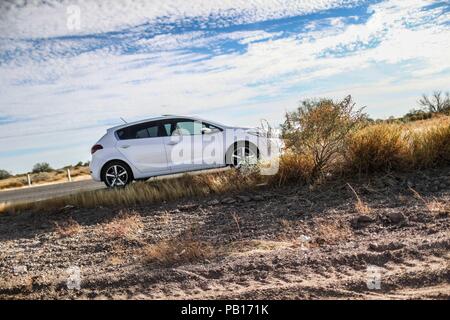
(117, 174)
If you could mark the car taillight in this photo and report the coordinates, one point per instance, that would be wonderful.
(95, 148)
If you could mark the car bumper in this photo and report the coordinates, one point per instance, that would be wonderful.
(95, 168)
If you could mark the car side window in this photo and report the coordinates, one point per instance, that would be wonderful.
(213, 128)
(140, 131)
(187, 127)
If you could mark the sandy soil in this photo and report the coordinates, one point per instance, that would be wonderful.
(294, 242)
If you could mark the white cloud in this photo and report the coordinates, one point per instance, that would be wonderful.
(49, 18)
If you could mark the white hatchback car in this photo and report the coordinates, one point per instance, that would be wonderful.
(173, 144)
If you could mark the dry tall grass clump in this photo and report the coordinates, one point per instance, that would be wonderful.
(379, 147)
(431, 147)
(293, 167)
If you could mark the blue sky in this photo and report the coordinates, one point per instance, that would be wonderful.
(63, 83)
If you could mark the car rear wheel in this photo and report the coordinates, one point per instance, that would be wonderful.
(246, 154)
(117, 174)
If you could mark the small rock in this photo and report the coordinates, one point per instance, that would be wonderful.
(258, 197)
(304, 238)
(319, 240)
(361, 221)
(244, 198)
(187, 207)
(228, 200)
(385, 247)
(213, 202)
(396, 217)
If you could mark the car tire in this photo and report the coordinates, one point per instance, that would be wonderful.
(116, 174)
(239, 151)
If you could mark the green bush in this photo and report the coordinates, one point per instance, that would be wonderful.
(320, 129)
(4, 174)
(42, 167)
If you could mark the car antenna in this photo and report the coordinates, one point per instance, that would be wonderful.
(123, 119)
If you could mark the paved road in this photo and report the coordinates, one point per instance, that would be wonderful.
(48, 191)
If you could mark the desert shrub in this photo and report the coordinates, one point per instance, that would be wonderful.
(320, 128)
(41, 167)
(431, 147)
(379, 147)
(294, 167)
(4, 174)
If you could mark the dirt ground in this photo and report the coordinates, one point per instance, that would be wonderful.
(295, 242)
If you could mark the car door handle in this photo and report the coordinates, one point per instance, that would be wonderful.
(125, 146)
(173, 142)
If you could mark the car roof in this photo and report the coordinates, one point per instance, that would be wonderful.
(164, 117)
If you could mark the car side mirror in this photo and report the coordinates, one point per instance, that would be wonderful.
(206, 130)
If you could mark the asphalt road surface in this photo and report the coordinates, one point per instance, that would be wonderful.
(48, 191)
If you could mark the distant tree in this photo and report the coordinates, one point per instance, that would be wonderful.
(4, 174)
(42, 167)
(79, 164)
(438, 102)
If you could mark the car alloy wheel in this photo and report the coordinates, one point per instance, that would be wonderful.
(116, 176)
(244, 155)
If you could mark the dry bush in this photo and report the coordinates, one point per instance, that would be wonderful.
(320, 128)
(128, 225)
(67, 228)
(431, 147)
(379, 147)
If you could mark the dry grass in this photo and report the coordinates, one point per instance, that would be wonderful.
(128, 226)
(177, 251)
(43, 177)
(431, 147)
(360, 206)
(434, 206)
(293, 167)
(378, 147)
(187, 186)
(327, 231)
(67, 228)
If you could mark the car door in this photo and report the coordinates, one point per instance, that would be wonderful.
(143, 145)
(213, 145)
(184, 144)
